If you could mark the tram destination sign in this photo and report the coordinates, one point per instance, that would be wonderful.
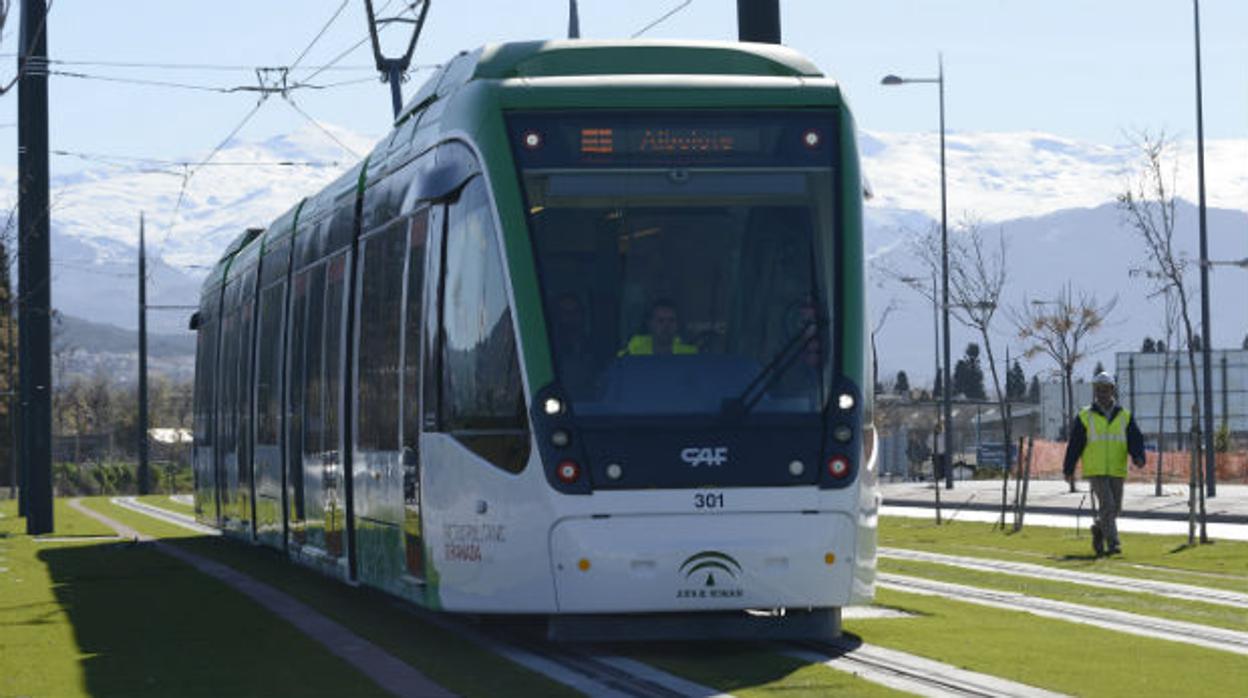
(597, 138)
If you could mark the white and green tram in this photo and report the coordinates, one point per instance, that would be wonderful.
(584, 336)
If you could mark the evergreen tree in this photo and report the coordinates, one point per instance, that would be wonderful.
(968, 377)
(939, 388)
(1245, 344)
(1161, 347)
(1100, 368)
(1149, 346)
(1015, 383)
(902, 385)
(1196, 343)
(1033, 392)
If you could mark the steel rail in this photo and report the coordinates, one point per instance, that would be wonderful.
(1121, 621)
(1174, 590)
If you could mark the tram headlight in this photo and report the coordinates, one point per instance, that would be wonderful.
(845, 401)
(838, 466)
(568, 472)
(842, 433)
(560, 438)
(796, 468)
(553, 405)
(615, 471)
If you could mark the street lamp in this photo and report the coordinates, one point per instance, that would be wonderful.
(1241, 263)
(939, 80)
(1207, 331)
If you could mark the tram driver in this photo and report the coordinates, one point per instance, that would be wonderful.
(663, 324)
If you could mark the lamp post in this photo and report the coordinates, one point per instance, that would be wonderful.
(1206, 329)
(947, 407)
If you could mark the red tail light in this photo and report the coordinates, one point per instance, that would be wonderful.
(568, 472)
(838, 466)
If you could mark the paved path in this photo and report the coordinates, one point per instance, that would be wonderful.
(389, 672)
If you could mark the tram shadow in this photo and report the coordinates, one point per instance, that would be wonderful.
(147, 624)
(734, 665)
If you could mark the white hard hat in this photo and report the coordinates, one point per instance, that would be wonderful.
(1103, 378)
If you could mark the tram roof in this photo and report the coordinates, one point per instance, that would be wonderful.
(582, 58)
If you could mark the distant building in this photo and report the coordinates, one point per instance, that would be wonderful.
(1157, 388)
(1051, 412)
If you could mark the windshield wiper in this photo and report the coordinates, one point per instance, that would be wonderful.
(741, 405)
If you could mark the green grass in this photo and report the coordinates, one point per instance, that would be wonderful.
(90, 619)
(447, 659)
(1098, 596)
(1222, 565)
(164, 501)
(1052, 654)
(751, 671)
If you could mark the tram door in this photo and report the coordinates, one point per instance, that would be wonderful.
(386, 461)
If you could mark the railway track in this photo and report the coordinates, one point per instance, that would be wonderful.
(605, 674)
(910, 673)
(1148, 626)
(1172, 590)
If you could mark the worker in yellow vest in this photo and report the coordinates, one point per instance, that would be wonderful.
(1102, 436)
(664, 338)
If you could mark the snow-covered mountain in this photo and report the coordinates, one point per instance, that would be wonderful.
(1051, 195)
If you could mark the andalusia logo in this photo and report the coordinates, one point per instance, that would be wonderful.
(714, 572)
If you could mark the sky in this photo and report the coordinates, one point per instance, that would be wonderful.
(1084, 70)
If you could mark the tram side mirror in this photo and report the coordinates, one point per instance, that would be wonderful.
(443, 182)
(194, 323)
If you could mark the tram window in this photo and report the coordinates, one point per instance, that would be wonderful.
(418, 231)
(313, 387)
(269, 365)
(226, 407)
(294, 443)
(381, 287)
(243, 397)
(205, 376)
(335, 300)
(482, 390)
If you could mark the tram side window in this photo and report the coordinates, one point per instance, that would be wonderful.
(268, 366)
(205, 375)
(482, 393)
(381, 287)
(313, 385)
(412, 324)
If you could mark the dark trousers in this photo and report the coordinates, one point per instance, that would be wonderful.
(1107, 490)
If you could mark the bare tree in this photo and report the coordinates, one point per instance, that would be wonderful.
(977, 275)
(1169, 325)
(1147, 205)
(1061, 330)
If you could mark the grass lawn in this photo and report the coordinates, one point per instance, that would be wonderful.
(114, 618)
(164, 501)
(1099, 596)
(1053, 654)
(454, 662)
(1223, 565)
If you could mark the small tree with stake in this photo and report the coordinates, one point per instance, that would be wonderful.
(1147, 205)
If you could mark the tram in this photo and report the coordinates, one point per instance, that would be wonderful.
(583, 336)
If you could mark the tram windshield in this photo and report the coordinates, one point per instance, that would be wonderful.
(685, 283)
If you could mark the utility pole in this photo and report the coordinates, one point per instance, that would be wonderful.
(143, 463)
(574, 20)
(393, 69)
(758, 20)
(35, 299)
(14, 461)
(1211, 471)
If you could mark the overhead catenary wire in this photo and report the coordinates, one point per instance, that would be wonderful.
(108, 159)
(661, 19)
(319, 34)
(289, 100)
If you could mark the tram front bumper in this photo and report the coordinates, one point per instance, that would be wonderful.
(673, 563)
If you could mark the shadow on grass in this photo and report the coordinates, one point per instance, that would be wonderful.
(148, 625)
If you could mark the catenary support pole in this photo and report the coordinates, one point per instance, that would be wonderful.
(35, 335)
(143, 471)
(758, 20)
(1206, 330)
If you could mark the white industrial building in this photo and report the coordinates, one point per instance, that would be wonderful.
(1157, 388)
